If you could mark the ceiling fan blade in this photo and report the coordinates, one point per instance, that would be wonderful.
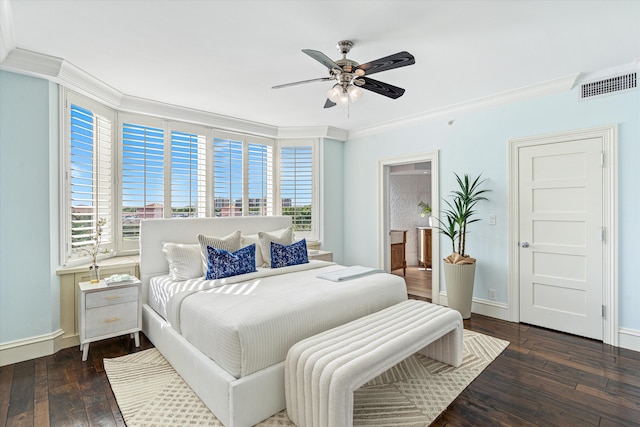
(321, 79)
(400, 59)
(381, 88)
(329, 103)
(322, 58)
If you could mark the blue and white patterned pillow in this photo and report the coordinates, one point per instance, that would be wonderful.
(231, 243)
(286, 255)
(282, 237)
(223, 263)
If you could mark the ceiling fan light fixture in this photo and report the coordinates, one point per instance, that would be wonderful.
(349, 75)
(344, 98)
(355, 93)
(340, 95)
(335, 93)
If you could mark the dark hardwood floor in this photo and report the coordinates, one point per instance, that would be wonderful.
(543, 378)
(61, 390)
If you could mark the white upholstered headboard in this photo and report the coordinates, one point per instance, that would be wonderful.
(154, 232)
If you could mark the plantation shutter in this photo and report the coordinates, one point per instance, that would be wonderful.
(188, 175)
(296, 185)
(89, 181)
(227, 177)
(260, 179)
(142, 178)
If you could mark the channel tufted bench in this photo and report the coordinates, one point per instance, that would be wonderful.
(322, 371)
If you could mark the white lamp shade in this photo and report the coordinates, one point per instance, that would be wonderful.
(339, 95)
(335, 93)
(355, 93)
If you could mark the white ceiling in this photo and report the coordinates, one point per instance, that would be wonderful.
(224, 56)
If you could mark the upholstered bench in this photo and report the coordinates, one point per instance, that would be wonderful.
(323, 371)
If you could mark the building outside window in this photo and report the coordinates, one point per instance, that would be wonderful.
(125, 168)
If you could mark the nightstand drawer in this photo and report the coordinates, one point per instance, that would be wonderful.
(111, 319)
(111, 297)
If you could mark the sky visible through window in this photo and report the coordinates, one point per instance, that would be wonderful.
(81, 156)
(160, 172)
(143, 164)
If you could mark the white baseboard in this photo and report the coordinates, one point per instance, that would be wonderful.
(45, 345)
(485, 307)
(629, 339)
(30, 348)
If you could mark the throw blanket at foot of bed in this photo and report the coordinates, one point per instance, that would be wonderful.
(323, 371)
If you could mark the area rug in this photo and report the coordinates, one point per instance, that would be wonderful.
(413, 393)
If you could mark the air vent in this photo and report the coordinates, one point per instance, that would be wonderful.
(610, 85)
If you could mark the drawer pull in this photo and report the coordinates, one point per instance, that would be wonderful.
(113, 297)
(115, 319)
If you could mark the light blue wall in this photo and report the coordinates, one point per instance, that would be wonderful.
(477, 142)
(29, 290)
(332, 190)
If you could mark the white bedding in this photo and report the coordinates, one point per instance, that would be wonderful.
(249, 323)
(162, 288)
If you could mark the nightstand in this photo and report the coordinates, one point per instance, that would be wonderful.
(108, 311)
(320, 255)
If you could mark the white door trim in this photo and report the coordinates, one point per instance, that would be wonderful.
(384, 249)
(610, 214)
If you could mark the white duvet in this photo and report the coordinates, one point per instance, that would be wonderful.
(250, 324)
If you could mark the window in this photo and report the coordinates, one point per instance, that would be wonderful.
(242, 175)
(296, 187)
(142, 178)
(188, 175)
(124, 167)
(87, 180)
(227, 177)
(260, 179)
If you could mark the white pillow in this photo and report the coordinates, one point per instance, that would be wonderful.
(253, 238)
(184, 260)
(229, 243)
(283, 237)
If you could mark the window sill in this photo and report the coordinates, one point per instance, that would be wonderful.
(119, 261)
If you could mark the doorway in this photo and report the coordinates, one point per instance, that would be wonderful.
(408, 242)
(562, 212)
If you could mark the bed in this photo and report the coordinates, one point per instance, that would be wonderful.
(228, 338)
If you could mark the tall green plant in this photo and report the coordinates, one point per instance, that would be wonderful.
(460, 212)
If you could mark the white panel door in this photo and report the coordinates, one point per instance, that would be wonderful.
(561, 237)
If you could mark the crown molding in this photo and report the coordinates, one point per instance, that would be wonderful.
(64, 73)
(32, 63)
(292, 132)
(132, 104)
(561, 84)
(634, 65)
(60, 71)
(73, 77)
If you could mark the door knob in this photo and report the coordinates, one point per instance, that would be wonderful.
(524, 244)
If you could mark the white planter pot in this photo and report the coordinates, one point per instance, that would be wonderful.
(459, 280)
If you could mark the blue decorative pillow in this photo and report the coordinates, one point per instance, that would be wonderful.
(223, 263)
(286, 255)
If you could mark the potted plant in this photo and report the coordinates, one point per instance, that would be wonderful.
(425, 209)
(459, 267)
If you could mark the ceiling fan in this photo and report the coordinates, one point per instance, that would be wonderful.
(351, 76)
